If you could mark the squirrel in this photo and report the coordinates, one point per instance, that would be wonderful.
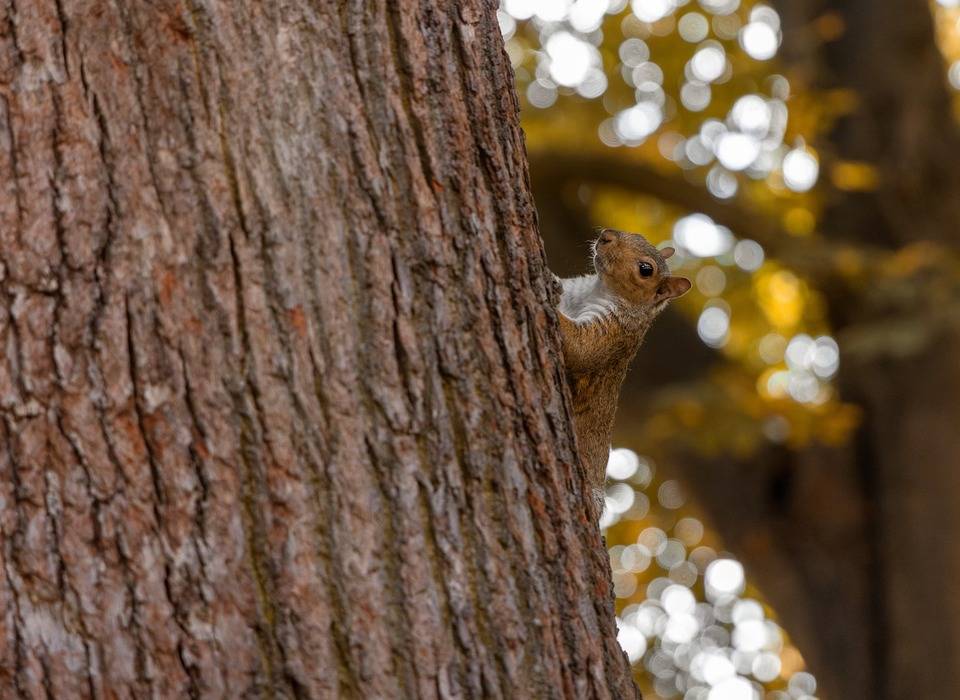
(603, 320)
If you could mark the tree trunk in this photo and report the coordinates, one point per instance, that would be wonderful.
(282, 409)
(897, 618)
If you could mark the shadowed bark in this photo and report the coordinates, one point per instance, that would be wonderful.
(282, 409)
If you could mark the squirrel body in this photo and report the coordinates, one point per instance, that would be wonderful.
(603, 320)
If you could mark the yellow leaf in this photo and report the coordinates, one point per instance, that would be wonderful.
(854, 176)
(799, 221)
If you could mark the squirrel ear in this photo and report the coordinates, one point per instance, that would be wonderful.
(667, 252)
(673, 287)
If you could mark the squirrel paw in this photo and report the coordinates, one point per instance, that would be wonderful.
(598, 501)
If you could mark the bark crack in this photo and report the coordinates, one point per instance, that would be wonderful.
(15, 168)
(130, 585)
(12, 543)
(62, 18)
(159, 499)
(252, 484)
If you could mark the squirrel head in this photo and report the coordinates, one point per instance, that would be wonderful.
(635, 270)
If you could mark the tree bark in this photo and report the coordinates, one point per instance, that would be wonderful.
(282, 407)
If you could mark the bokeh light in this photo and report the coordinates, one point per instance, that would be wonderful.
(759, 40)
(687, 614)
(693, 27)
(800, 170)
(713, 326)
(736, 151)
(947, 20)
(708, 62)
(562, 46)
(652, 10)
(570, 58)
(701, 237)
(694, 89)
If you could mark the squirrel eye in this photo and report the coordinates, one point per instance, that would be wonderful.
(646, 269)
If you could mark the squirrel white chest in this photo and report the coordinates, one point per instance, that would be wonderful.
(585, 299)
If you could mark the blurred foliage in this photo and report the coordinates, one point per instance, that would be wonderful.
(947, 16)
(670, 110)
(651, 67)
(688, 615)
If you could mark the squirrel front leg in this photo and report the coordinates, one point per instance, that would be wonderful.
(583, 344)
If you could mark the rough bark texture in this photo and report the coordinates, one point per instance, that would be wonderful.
(282, 410)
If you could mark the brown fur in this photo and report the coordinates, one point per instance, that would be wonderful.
(598, 352)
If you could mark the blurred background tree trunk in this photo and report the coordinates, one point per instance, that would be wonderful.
(282, 410)
(901, 340)
(854, 546)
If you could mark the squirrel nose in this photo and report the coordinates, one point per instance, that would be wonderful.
(606, 236)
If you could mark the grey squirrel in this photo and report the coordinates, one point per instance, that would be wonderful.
(603, 320)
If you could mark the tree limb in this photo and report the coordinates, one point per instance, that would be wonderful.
(629, 173)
